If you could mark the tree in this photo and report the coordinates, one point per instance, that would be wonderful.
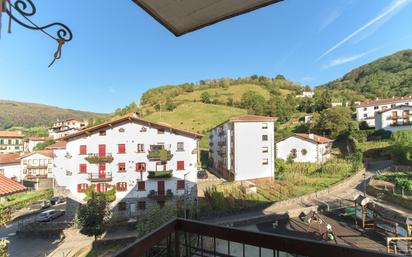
(254, 102)
(157, 107)
(205, 97)
(94, 216)
(170, 105)
(401, 149)
(5, 216)
(43, 145)
(334, 122)
(280, 77)
(278, 107)
(323, 101)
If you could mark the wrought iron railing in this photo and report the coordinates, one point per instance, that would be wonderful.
(100, 177)
(99, 158)
(192, 238)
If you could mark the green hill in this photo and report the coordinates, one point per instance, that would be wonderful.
(20, 114)
(386, 77)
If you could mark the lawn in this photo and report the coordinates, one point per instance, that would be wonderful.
(222, 94)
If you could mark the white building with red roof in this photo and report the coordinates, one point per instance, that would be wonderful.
(394, 119)
(366, 111)
(302, 147)
(9, 187)
(37, 165)
(10, 166)
(11, 142)
(242, 148)
(31, 142)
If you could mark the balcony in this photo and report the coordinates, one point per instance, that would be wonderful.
(160, 155)
(192, 238)
(32, 166)
(160, 174)
(34, 176)
(96, 158)
(100, 177)
(160, 195)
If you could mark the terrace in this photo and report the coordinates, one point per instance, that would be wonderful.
(192, 238)
(160, 174)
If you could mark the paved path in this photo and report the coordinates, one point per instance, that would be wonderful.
(73, 242)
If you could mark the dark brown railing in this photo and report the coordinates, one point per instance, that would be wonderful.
(192, 238)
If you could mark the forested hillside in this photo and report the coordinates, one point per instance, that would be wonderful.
(19, 114)
(386, 77)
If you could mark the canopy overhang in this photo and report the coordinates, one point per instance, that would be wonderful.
(183, 16)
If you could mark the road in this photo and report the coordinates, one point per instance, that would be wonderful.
(28, 246)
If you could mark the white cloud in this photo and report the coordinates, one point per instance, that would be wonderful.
(389, 11)
(346, 59)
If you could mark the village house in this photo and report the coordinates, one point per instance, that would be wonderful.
(308, 94)
(394, 119)
(10, 166)
(64, 128)
(31, 142)
(365, 111)
(242, 148)
(37, 165)
(146, 162)
(11, 142)
(302, 147)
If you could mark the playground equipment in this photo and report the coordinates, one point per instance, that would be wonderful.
(313, 216)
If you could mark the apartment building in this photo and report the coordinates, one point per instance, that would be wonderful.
(146, 162)
(365, 111)
(242, 148)
(11, 142)
(394, 119)
(37, 165)
(301, 147)
(64, 128)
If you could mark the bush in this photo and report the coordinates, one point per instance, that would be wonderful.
(24, 199)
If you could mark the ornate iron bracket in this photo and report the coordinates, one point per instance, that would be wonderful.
(27, 9)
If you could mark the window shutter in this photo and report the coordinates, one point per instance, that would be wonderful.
(122, 148)
(102, 167)
(180, 165)
(79, 188)
(83, 149)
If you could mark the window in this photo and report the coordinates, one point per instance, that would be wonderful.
(293, 154)
(102, 132)
(82, 187)
(265, 137)
(122, 206)
(121, 148)
(365, 109)
(101, 187)
(1, 141)
(304, 151)
(393, 105)
(83, 150)
(160, 131)
(180, 165)
(122, 167)
(141, 186)
(264, 125)
(141, 205)
(102, 167)
(376, 107)
(180, 146)
(365, 115)
(121, 186)
(265, 149)
(180, 184)
(83, 168)
(141, 166)
(140, 148)
(265, 161)
(121, 130)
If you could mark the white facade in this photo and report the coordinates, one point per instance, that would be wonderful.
(10, 170)
(37, 165)
(302, 149)
(32, 142)
(11, 142)
(366, 111)
(126, 143)
(64, 128)
(308, 94)
(394, 119)
(243, 148)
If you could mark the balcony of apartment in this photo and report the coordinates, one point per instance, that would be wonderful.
(192, 238)
(35, 176)
(160, 174)
(100, 177)
(160, 195)
(99, 158)
(159, 155)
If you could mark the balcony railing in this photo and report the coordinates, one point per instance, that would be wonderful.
(160, 174)
(160, 195)
(36, 176)
(192, 238)
(100, 177)
(97, 158)
(32, 166)
(160, 155)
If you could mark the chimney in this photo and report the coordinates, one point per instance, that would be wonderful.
(377, 98)
(311, 136)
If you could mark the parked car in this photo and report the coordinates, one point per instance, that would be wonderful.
(49, 215)
(202, 174)
(56, 200)
(38, 205)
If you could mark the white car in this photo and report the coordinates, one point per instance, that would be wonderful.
(49, 215)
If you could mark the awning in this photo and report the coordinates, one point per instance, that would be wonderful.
(183, 16)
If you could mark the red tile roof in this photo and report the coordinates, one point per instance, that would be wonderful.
(252, 118)
(37, 138)
(58, 145)
(8, 186)
(314, 138)
(18, 134)
(396, 107)
(130, 117)
(385, 101)
(9, 158)
(48, 153)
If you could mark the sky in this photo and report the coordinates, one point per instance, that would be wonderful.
(119, 51)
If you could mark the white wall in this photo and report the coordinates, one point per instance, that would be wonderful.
(315, 153)
(248, 150)
(384, 120)
(11, 170)
(66, 169)
(36, 165)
